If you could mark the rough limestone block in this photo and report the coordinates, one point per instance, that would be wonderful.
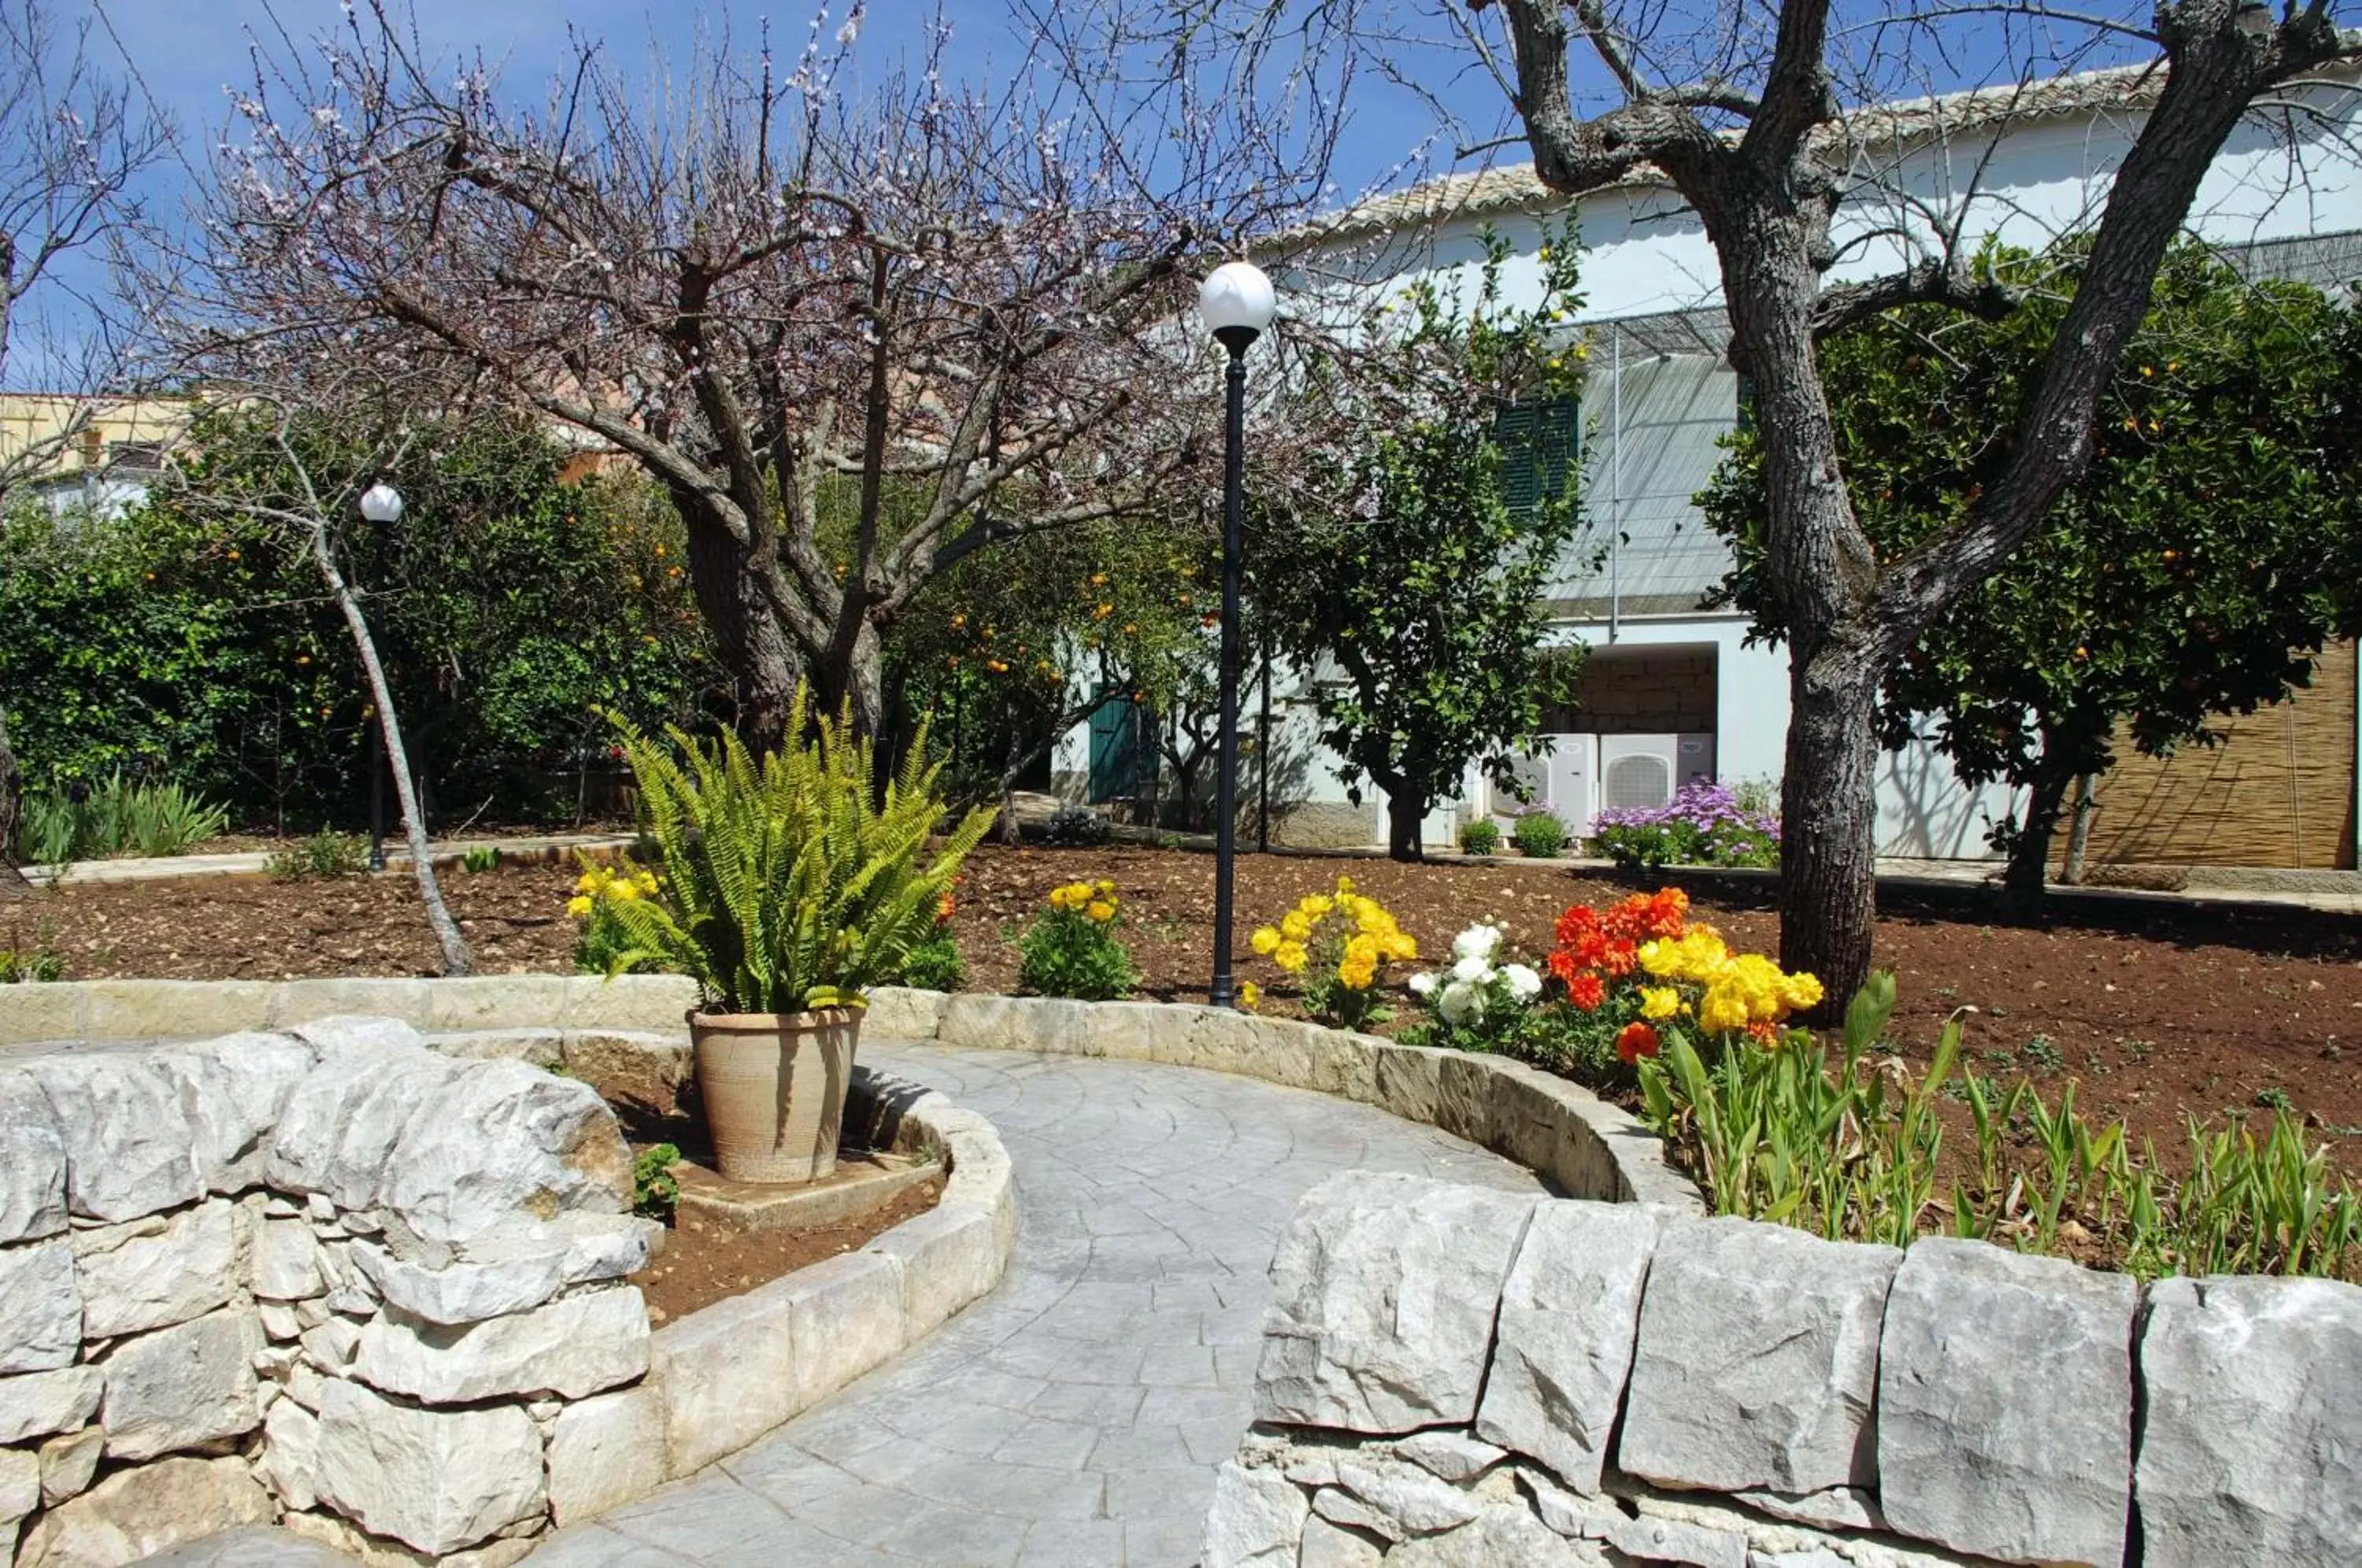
(1256, 1521)
(35, 1404)
(128, 1146)
(287, 1263)
(232, 1091)
(2005, 1404)
(1408, 1499)
(1011, 1023)
(497, 1002)
(1334, 1546)
(902, 1013)
(518, 1268)
(499, 1141)
(604, 1452)
(68, 1462)
(439, 1480)
(1501, 1534)
(1531, 1121)
(1757, 1360)
(1453, 1455)
(21, 1488)
(948, 1259)
(1650, 1539)
(2251, 1437)
(1570, 1311)
(340, 1125)
(725, 1375)
(1385, 1289)
(359, 1033)
(172, 1010)
(573, 1347)
(32, 1162)
(845, 1316)
(1464, 1097)
(156, 1272)
(136, 1513)
(599, 1246)
(290, 1461)
(541, 1047)
(41, 1309)
(180, 1386)
(294, 1002)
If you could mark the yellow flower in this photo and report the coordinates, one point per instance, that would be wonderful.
(1317, 905)
(587, 883)
(579, 905)
(646, 881)
(1290, 956)
(1398, 946)
(621, 892)
(1355, 977)
(1100, 910)
(1264, 941)
(1660, 1002)
(1800, 991)
(1105, 889)
(1250, 995)
(1362, 950)
(1294, 927)
(1721, 1009)
(1344, 884)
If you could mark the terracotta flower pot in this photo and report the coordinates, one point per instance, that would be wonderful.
(774, 1089)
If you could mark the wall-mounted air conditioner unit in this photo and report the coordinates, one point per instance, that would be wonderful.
(1564, 781)
(1637, 771)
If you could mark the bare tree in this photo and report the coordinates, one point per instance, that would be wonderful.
(73, 140)
(857, 336)
(1743, 116)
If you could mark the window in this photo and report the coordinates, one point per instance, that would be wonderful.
(1539, 444)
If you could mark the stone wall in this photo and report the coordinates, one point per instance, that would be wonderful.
(375, 1292)
(1453, 1377)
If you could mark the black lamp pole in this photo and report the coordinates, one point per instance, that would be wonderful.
(1226, 766)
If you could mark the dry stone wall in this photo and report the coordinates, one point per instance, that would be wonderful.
(375, 1292)
(1453, 1377)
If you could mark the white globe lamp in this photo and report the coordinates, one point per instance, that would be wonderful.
(1238, 302)
(381, 504)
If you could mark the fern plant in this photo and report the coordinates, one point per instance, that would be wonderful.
(786, 885)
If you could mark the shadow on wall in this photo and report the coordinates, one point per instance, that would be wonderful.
(1926, 812)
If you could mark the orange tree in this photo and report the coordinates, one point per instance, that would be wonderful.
(2194, 569)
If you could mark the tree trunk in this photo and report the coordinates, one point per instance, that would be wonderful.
(2029, 853)
(12, 788)
(456, 959)
(1828, 821)
(1405, 814)
(754, 648)
(855, 681)
(2078, 834)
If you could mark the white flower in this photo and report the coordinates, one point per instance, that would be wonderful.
(1461, 1002)
(1477, 942)
(1422, 983)
(1473, 971)
(1524, 984)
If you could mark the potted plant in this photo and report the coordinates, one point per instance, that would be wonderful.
(785, 887)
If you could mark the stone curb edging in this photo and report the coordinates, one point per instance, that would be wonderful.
(1552, 1127)
(1563, 1132)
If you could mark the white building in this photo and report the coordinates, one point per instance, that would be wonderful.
(1672, 690)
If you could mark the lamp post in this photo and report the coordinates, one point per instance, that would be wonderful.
(1237, 302)
(381, 506)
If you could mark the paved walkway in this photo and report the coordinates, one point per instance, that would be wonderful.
(1076, 1416)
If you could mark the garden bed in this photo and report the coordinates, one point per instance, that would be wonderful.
(2161, 1010)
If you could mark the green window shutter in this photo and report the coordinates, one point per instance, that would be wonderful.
(1540, 443)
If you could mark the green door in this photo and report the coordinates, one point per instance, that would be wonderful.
(1122, 762)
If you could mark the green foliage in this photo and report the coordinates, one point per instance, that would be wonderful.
(1853, 1151)
(2214, 542)
(1482, 837)
(326, 855)
(933, 963)
(114, 817)
(1405, 562)
(192, 641)
(1072, 948)
(21, 965)
(1539, 835)
(481, 858)
(787, 885)
(656, 1191)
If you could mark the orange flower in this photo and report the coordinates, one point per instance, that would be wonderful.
(1586, 993)
(1621, 957)
(1635, 1040)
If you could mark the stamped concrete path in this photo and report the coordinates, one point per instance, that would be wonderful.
(1076, 1416)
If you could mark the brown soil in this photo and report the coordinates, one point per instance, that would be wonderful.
(703, 1263)
(2158, 1010)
